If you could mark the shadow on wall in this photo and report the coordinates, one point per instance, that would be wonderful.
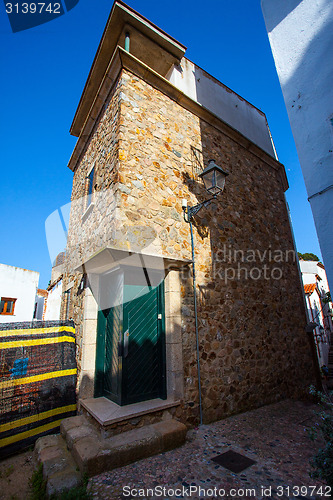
(306, 81)
(281, 10)
(253, 348)
(138, 377)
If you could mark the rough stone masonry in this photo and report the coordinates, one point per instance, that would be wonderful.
(146, 150)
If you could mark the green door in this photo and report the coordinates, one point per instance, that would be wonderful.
(143, 348)
(109, 337)
(130, 361)
(108, 361)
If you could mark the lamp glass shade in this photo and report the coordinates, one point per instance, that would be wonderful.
(214, 178)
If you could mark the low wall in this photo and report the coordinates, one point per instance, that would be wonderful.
(37, 381)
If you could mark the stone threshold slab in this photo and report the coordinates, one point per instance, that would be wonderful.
(107, 412)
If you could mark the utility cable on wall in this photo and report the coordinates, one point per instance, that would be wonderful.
(320, 192)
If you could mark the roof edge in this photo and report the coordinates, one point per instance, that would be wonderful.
(124, 60)
(120, 14)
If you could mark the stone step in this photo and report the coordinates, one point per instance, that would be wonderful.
(59, 469)
(73, 429)
(80, 449)
(95, 455)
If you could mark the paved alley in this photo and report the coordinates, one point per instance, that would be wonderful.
(274, 436)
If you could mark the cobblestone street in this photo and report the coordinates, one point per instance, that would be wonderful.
(274, 436)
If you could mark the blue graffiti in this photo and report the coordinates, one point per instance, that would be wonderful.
(20, 368)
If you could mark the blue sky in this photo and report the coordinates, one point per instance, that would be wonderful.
(44, 70)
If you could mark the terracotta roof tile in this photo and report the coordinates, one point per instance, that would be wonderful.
(310, 288)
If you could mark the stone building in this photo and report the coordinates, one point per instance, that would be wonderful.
(148, 122)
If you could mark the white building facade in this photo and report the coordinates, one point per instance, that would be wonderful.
(319, 311)
(213, 95)
(18, 289)
(301, 37)
(52, 307)
(53, 303)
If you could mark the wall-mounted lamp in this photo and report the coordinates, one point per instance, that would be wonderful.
(213, 178)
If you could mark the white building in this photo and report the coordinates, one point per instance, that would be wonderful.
(53, 302)
(301, 37)
(18, 289)
(52, 307)
(223, 102)
(315, 289)
(40, 301)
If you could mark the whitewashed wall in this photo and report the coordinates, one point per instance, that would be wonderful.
(39, 302)
(20, 284)
(223, 102)
(323, 337)
(309, 271)
(53, 304)
(318, 311)
(301, 37)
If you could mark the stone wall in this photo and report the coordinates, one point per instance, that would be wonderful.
(147, 151)
(253, 346)
(92, 228)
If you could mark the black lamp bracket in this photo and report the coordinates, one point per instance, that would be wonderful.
(190, 212)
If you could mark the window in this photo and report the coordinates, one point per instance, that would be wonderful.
(90, 187)
(88, 198)
(7, 305)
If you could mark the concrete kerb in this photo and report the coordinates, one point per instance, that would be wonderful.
(59, 468)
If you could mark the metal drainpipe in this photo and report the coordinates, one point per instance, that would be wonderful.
(127, 41)
(196, 323)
